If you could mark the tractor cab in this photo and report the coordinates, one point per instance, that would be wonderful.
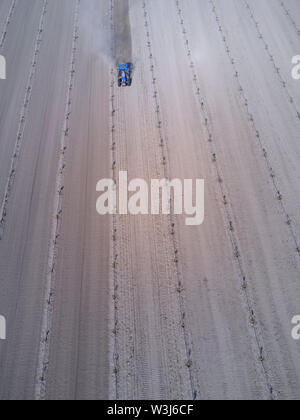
(124, 74)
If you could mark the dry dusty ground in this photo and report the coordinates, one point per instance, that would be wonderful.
(124, 307)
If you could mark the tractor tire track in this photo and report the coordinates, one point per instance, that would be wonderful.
(143, 365)
(263, 148)
(46, 330)
(22, 121)
(114, 233)
(180, 286)
(134, 348)
(222, 191)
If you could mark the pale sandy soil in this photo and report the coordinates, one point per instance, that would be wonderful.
(205, 342)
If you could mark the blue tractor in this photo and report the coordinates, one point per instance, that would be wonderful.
(124, 74)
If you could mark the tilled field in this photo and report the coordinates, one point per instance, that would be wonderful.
(145, 307)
